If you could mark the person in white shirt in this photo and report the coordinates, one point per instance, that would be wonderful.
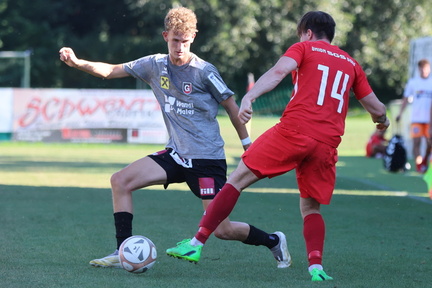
(420, 89)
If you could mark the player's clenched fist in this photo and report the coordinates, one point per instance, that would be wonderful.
(67, 55)
(245, 111)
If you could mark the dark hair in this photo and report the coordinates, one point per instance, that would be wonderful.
(320, 23)
(422, 63)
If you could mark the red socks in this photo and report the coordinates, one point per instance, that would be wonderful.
(217, 211)
(314, 234)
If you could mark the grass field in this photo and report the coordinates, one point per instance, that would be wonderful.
(56, 215)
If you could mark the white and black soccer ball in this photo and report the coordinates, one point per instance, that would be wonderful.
(137, 254)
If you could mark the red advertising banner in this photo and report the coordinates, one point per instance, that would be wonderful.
(87, 115)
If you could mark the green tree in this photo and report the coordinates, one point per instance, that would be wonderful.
(237, 36)
(380, 37)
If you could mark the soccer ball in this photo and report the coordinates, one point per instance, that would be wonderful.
(137, 254)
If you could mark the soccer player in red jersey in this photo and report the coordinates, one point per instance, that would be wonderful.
(305, 139)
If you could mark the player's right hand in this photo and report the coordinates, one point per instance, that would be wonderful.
(67, 55)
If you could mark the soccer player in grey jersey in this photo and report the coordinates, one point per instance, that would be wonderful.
(189, 96)
(189, 91)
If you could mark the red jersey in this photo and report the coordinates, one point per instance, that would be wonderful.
(322, 82)
(375, 140)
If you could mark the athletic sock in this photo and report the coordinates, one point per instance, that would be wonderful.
(123, 225)
(258, 237)
(315, 266)
(202, 235)
(195, 242)
(314, 234)
(217, 211)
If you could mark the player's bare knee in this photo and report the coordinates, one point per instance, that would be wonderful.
(118, 182)
(114, 180)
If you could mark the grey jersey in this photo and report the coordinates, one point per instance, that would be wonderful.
(189, 96)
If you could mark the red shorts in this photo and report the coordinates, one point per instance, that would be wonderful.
(419, 130)
(279, 150)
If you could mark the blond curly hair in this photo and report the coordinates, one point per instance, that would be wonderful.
(181, 20)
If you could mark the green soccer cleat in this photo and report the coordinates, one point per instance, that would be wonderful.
(184, 250)
(110, 261)
(319, 275)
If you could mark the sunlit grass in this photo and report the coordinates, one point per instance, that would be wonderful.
(56, 204)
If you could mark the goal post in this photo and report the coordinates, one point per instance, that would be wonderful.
(25, 79)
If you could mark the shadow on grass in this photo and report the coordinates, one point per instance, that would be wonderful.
(12, 164)
(356, 173)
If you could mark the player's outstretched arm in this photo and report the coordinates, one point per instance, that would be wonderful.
(377, 110)
(232, 109)
(98, 69)
(402, 108)
(267, 82)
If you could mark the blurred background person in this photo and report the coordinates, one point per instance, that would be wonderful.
(420, 89)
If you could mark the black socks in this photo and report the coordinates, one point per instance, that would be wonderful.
(123, 225)
(258, 237)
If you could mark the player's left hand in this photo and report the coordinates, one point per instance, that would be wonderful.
(383, 126)
(245, 112)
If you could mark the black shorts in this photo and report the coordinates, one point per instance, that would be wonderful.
(205, 177)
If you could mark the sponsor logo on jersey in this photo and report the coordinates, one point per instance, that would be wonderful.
(206, 186)
(334, 54)
(179, 107)
(218, 84)
(169, 102)
(164, 82)
(187, 87)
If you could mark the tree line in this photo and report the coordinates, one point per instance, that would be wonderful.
(238, 37)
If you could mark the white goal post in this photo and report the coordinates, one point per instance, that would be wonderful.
(25, 79)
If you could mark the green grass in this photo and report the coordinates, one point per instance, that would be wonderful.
(56, 215)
